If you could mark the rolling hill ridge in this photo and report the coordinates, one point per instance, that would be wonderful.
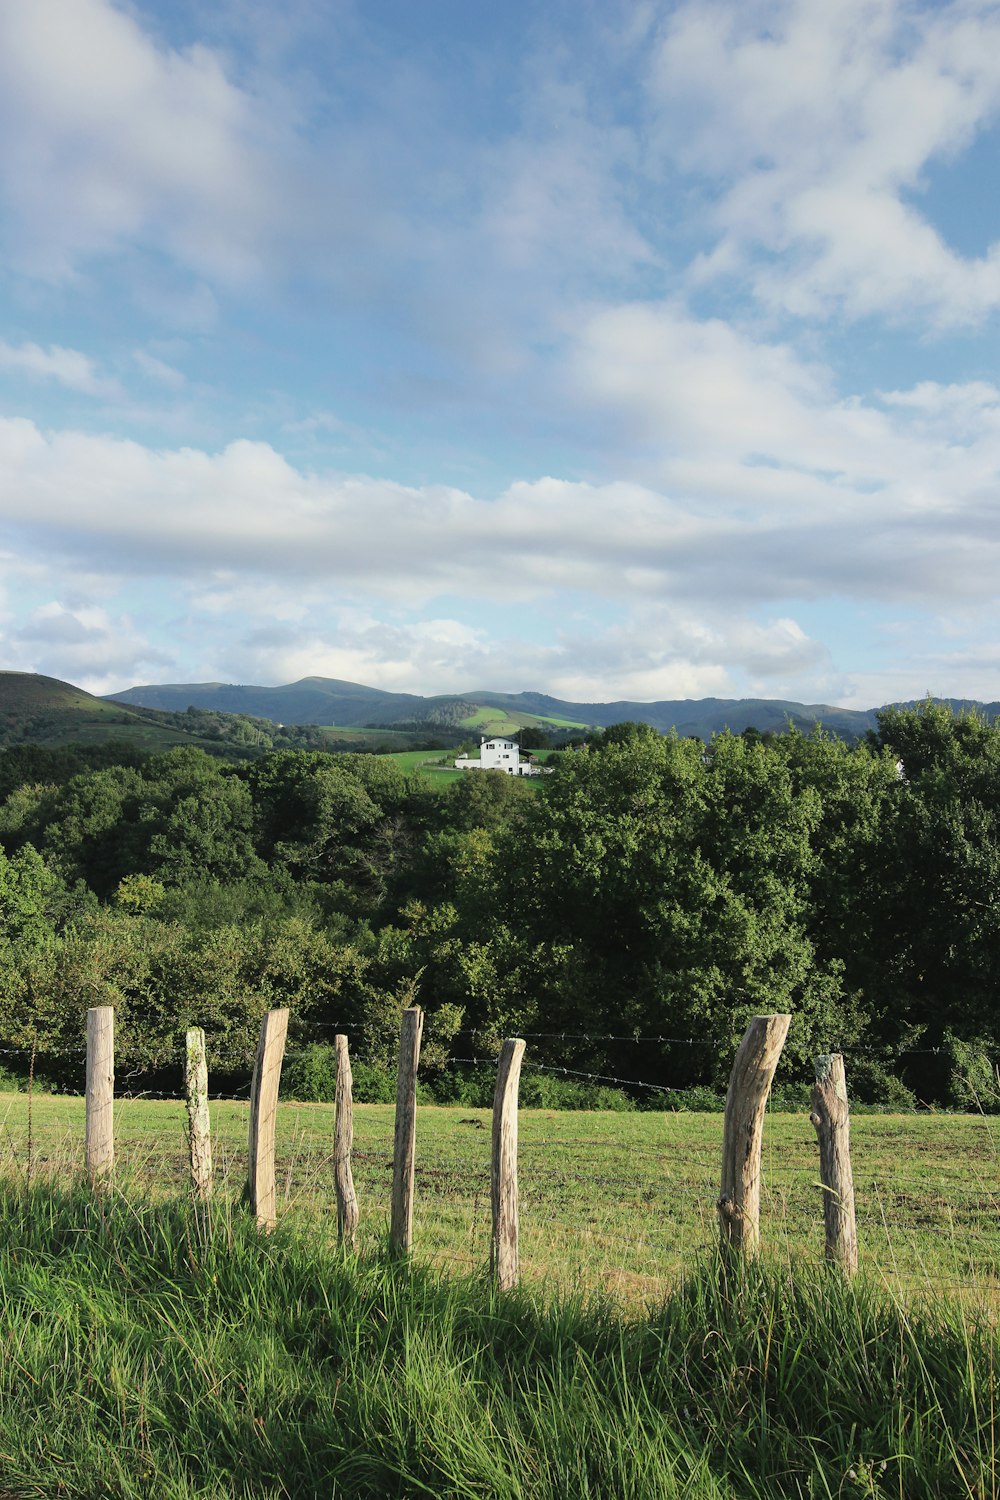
(236, 720)
(330, 701)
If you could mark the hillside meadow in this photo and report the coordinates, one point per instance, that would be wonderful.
(616, 1204)
(627, 916)
(156, 1349)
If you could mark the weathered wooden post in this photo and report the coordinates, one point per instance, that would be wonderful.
(401, 1221)
(746, 1100)
(831, 1117)
(504, 1263)
(263, 1116)
(196, 1099)
(100, 1111)
(347, 1198)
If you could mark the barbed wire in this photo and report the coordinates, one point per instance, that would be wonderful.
(179, 1052)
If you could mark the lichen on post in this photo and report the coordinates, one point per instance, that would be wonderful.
(404, 1133)
(746, 1101)
(504, 1262)
(831, 1118)
(343, 1178)
(196, 1100)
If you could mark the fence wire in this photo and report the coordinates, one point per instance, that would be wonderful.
(625, 1202)
(624, 1206)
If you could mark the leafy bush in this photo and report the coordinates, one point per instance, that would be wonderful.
(471, 1090)
(372, 1085)
(310, 1076)
(872, 1084)
(548, 1091)
(974, 1083)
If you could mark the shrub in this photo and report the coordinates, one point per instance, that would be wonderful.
(548, 1091)
(974, 1083)
(310, 1076)
(450, 1086)
(372, 1084)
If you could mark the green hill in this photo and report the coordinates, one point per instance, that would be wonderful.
(239, 719)
(348, 705)
(313, 700)
(330, 701)
(45, 711)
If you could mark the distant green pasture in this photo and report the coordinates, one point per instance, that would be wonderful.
(543, 720)
(491, 721)
(500, 721)
(618, 1203)
(435, 765)
(353, 733)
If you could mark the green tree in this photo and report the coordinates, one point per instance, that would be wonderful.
(654, 889)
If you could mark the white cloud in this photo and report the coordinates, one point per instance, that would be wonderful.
(768, 487)
(67, 367)
(84, 643)
(110, 138)
(517, 250)
(158, 370)
(354, 173)
(652, 653)
(818, 122)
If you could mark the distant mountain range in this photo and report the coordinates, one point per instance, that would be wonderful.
(328, 701)
(239, 721)
(37, 710)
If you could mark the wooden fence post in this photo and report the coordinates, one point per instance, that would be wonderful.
(831, 1117)
(746, 1100)
(100, 1128)
(199, 1127)
(401, 1222)
(504, 1264)
(347, 1198)
(263, 1116)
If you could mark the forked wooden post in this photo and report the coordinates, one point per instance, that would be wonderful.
(401, 1221)
(746, 1100)
(263, 1116)
(343, 1139)
(196, 1099)
(100, 1137)
(504, 1263)
(831, 1117)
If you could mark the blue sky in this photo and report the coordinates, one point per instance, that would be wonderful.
(618, 350)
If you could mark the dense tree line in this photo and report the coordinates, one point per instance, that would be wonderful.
(653, 888)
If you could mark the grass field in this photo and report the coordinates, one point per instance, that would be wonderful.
(619, 1204)
(154, 1350)
(435, 765)
(438, 766)
(373, 736)
(554, 720)
(488, 720)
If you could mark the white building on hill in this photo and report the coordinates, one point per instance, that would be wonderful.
(499, 755)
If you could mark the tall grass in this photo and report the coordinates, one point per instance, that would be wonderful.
(158, 1351)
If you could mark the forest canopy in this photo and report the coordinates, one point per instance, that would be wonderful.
(653, 888)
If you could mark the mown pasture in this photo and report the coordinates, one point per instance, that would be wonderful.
(611, 1203)
(156, 1349)
(438, 765)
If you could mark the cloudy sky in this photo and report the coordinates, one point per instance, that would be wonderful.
(614, 349)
